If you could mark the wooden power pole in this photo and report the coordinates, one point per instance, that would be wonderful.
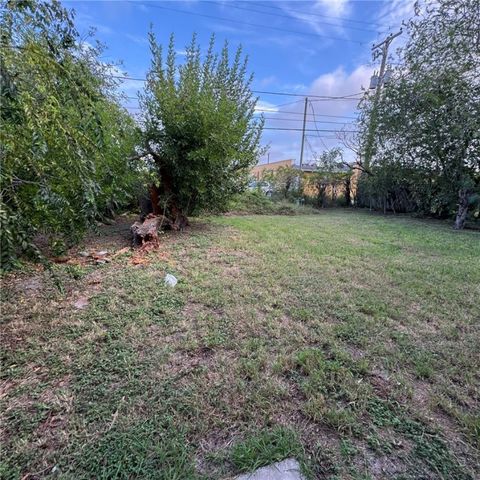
(303, 131)
(378, 49)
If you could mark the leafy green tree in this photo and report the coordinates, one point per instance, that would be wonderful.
(284, 182)
(427, 149)
(65, 140)
(331, 173)
(199, 128)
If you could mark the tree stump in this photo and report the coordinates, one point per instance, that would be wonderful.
(147, 231)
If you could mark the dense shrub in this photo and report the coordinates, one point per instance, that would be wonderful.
(200, 128)
(426, 148)
(65, 139)
(254, 202)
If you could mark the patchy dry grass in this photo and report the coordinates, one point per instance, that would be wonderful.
(347, 340)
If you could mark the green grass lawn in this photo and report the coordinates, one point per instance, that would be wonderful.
(347, 340)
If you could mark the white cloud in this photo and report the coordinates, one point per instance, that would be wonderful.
(334, 7)
(86, 47)
(337, 83)
(340, 83)
(395, 11)
(126, 86)
(306, 18)
(87, 21)
(392, 15)
(294, 87)
(318, 25)
(137, 39)
(265, 82)
(268, 107)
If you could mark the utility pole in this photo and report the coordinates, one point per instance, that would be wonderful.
(303, 131)
(379, 49)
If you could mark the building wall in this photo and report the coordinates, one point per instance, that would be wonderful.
(259, 170)
(331, 191)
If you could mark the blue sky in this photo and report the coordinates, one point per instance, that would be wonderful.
(317, 47)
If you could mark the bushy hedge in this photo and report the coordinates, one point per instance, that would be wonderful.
(254, 202)
(65, 140)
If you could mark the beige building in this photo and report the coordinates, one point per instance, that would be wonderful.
(259, 169)
(332, 191)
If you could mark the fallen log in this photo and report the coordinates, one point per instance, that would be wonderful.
(147, 231)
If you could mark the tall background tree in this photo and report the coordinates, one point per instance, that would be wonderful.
(427, 145)
(65, 140)
(200, 129)
(284, 183)
(331, 179)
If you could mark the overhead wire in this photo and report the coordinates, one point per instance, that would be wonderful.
(256, 25)
(350, 96)
(308, 129)
(316, 126)
(314, 14)
(301, 113)
(309, 145)
(308, 121)
(248, 9)
(315, 118)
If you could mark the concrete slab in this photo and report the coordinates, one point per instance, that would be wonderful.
(288, 469)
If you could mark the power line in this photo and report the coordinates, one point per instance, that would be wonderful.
(270, 110)
(310, 121)
(256, 25)
(124, 77)
(281, 105)
(276, 106)
(280, 119)
(314, 117)
(344, 19)
(318, 98)
(308, 114)
(231, 5)
(263, 92)
(309, 145)
(310, 130)
(357, 99)
(320, 137)
(285, 104)
(316, 126)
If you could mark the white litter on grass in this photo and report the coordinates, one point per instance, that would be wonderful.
(81, 303)
(289, 469)
(170, 280)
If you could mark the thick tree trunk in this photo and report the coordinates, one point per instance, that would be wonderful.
(348, 199)
(147, 231)
(176, 214)
(462, 209)
(162, 217)
(179, 220)
(155, 198)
